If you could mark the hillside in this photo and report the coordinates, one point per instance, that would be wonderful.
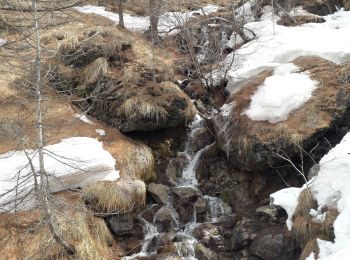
(174, 129)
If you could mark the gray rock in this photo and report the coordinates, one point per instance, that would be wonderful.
(164, 219)
(121, 224)
(273, 247)
(272, 212)
(158, 192)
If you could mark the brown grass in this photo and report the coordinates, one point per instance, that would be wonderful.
(87, 234)
(287, 20)
(315, 115)
(305, 228)
(122, 196)
(311, 247)
(306, 202)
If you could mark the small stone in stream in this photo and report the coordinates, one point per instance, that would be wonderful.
(158, 192)
(272, 212)
(164, 219)
(149, 213)
(167, 238)
(201, 205)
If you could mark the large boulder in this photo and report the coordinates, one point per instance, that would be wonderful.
(256, 145)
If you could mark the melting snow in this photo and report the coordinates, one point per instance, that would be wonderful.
(83, 118)
(285, 91)
(2, 42)
(275, 44)
(331, 189)
(72, 163)
(167, 22)
(100, 132)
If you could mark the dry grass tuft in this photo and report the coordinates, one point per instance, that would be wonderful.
(137, 162)
(306, 202)
(95, 71)
(115, 197)
(305, 228)
(311, 247)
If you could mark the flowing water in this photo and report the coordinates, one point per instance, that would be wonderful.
(217, 209)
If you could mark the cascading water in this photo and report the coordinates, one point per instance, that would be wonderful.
(185, 241)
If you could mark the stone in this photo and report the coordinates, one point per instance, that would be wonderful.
(158, 192)
(272, 212)
(210, 236)
(273, 247)
(164, 219)
(149, 213)
(121, 224)
(184, 199)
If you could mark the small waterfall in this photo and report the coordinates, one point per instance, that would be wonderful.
(217, 209)
(185, 241)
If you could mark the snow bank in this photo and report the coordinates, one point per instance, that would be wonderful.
(275, 44)
(72, 163)
(167, 22)
(331, 189)
(283, 92)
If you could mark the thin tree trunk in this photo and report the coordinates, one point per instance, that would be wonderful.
(154, 8)
(121, 15)
(43, 187)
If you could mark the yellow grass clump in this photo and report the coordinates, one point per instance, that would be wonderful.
(311, 247)
(137, 162)
(122, 196)
(95, 71)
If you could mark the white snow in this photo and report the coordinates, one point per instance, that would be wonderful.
(72, 163)
(275, 45)
(83, 118)
(285, 91)
(287, 199)
(331, 190)
(100, 132)
(2, 41)
(167, 21)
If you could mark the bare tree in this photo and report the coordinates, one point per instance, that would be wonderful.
(120, 12)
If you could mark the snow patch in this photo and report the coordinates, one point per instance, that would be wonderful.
(100, 132)
(287, 199)
(331, 190)
(72, 163)
(2, 41)
(83, 118)
(167, 22)
(285, 91)
(275, 44)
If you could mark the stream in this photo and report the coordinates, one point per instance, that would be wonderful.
(184, 239)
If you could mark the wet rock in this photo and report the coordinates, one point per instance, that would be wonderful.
(166, 238)
(175, 167)
(272, 212)
(164, 219)
(242, 235)
(121, 224)
(149, 213)
(184, 199)
(158, 192)
(200, 139)
(210, 236)
(201, 207)
(167, 252)
(273, 247)
(204, 253)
